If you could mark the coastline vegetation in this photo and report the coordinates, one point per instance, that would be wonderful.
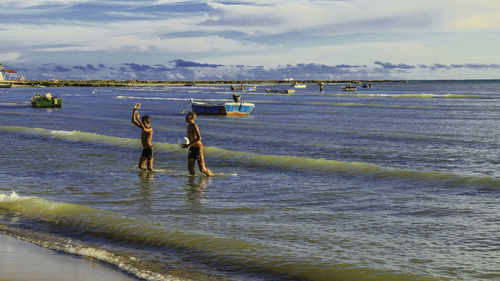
(134, 83)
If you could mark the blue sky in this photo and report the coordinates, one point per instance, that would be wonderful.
(212, 40)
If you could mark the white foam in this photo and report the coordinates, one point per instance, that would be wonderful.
(13, 197)
(59, 132)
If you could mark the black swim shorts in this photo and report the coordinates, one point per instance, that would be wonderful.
(148, 153)
(194, 153)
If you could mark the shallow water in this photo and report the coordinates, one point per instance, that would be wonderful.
(397, 182)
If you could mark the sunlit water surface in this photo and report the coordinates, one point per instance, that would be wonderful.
(397, 182)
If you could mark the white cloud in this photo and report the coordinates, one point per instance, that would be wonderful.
(8, 57)
(258, 32)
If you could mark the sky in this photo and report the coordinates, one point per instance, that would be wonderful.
(251, 40)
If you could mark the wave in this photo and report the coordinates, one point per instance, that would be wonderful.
(152, 98)
(278, 161)
(213, 250)
(411, 96)
(351, 168)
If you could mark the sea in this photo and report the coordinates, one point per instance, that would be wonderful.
(400, 181)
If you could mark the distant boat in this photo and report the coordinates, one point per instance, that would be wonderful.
(298, 85)
(45, 101)
(5, 85)
(366, 85)
(288, 92)
(244, 88)
(349, 88)
(190, 83)
(232, 108)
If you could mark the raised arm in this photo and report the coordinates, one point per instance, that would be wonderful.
(135, 116)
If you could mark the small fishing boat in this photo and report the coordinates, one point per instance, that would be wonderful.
(286, 92)
(232, 108)
(349, 88)
(45, 101)
(366, 85)
(5, 85)
(298, 85)
(244, 88)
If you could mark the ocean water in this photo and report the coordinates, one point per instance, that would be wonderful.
(397, 182)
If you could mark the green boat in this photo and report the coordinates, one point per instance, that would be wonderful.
(5, 85)
(45, 101)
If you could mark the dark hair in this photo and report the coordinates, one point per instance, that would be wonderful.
(146, 119)
(191, 115)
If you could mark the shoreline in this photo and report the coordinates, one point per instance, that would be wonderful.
(21, 260)
(187, 83)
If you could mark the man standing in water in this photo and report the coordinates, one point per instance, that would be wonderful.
(147, 154)
(196, 152)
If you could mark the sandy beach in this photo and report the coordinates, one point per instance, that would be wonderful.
(22, 261)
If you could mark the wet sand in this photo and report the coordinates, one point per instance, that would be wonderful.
(22, 261)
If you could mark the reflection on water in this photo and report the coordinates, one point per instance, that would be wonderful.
(147, 187)
(194, 187)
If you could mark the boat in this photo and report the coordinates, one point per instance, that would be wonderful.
(349, 88)
(5, 85)
(298, 85)
(287, 92)
(45, 101)
(244, 88)
(190, 83)
(231, 108)
(366, 85)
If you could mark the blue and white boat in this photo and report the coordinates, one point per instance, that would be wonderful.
(232, 108)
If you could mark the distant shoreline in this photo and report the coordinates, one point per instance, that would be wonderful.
(137, 83)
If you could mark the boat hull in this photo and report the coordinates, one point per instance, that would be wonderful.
(285, 92)
(349, 88)
(227, 108)
(47, 103)
(244, 88)
(4, 85)
(298, 85)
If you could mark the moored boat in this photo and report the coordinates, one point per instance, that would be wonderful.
(45, 101)
(5, 85)
(349, 88)
(232, 108)
(298, 85)
(244, 88)
(287, 92)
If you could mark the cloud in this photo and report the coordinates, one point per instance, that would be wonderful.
(257, 32)
(183, 63)
(89, 67)
(388, 65)
(476, 66)
(179, 69)
(439, 66)
(54, 68)
(9, 56)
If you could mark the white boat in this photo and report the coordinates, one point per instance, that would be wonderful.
(234, 108)
(298, 85)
